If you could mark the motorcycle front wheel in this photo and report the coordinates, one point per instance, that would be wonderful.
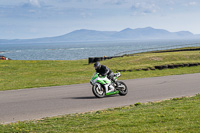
(98, 90)
(122, 88)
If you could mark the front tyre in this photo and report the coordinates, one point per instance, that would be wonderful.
(98, 91)
(122, 88)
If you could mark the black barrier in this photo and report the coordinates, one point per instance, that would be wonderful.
(97, 59)
(171, 66)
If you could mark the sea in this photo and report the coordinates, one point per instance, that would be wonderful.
(84, 50)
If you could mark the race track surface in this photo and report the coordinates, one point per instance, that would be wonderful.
(37, 103)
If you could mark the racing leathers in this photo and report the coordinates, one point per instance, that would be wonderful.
(103, 70)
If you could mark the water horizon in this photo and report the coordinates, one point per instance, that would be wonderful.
(84, 50)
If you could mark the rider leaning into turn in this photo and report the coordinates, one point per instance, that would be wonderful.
(103, 70)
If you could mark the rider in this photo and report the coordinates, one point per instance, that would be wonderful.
(103, 70)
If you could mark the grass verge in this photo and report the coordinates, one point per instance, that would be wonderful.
(19, 74)
(176, 115)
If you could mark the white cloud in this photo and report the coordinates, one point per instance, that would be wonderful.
(192, 3)
(187, 4)
(144, 8)
(35, 3)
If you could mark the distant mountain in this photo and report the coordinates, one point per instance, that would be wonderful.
(143, 33)
(85, 35)
(197, 35)
(184, 33)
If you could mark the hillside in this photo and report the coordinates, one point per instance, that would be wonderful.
(85, 35)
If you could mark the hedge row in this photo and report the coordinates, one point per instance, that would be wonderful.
(177, 50)
(96, 59)
(162, 67)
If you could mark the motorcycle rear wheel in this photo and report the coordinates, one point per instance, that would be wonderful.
(98, 90)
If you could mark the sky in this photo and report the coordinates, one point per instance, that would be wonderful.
(25, 19)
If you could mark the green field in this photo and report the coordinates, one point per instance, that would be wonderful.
(18, 74)
(176, 115)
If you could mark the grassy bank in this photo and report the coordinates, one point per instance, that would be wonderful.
(17, 74)
(176, 115)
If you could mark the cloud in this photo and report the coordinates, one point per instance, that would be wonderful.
(115, 2)
(192, 3)
(35, 3)
(144, 8)
(162, 7)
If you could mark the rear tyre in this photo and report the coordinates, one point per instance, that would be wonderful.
(98, 90)
(122, 88)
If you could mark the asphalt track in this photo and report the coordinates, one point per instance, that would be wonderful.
(37, 103)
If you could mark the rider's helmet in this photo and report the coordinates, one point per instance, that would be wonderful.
(97, 65)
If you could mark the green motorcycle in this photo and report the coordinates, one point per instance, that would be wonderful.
(102, 86)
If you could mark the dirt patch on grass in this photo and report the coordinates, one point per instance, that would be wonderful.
(156, 58)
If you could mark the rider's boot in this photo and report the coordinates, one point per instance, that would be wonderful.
(115, 82)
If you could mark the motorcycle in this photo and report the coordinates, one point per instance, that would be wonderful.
(102, 86)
